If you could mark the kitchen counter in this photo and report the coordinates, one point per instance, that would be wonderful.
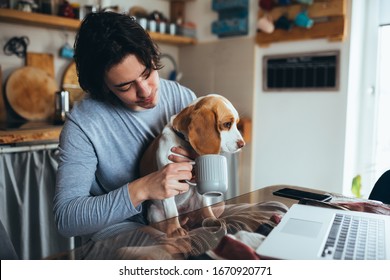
(25, 135)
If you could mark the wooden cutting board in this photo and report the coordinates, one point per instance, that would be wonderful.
(71, 84)
(44, 61)
(30, 92)
(3, 112)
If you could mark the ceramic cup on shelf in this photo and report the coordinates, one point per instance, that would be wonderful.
(306, 2)
(283, 23)
(284, 2)
(162, 27)
(303, 20)
(211, 175)
(172, 29)
(266, 4)
(143, 22)
(152, 25)
(265, 24)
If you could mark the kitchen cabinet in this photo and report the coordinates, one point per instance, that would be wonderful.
(56, 22)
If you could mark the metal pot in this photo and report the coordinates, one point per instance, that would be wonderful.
(61, 105)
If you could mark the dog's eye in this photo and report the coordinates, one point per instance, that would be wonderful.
(227, 125)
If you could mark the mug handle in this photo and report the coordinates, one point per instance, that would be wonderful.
(188, 181)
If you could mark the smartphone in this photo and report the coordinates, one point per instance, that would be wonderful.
(298, 194)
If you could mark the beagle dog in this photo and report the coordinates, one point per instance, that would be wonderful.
(209, 126)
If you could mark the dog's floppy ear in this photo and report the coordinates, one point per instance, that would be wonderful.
(203, 132)
(183, 119)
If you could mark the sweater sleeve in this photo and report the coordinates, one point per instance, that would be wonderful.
(77, 211)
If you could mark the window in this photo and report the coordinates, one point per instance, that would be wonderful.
(368, 131)
(382, 131)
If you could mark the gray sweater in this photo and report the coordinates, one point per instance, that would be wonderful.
(99, 153)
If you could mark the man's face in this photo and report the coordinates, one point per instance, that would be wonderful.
(129, 82)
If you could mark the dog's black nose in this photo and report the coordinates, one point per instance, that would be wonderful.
(240, 143)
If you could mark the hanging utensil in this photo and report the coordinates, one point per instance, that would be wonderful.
(17, 46)
(66, 50)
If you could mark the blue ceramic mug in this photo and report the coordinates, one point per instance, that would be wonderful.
(303, 20)
(283, 23)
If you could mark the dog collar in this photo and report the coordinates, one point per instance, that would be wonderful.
(180, 135)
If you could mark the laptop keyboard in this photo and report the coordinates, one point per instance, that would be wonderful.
(355, 238)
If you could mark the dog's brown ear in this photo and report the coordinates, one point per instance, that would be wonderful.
(183, 119)
(203, 132)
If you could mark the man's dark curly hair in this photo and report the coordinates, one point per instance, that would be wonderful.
(104, 40)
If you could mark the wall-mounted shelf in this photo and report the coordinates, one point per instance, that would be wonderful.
(171, 39)
(41, 20)
(329, 22)
(56, 22)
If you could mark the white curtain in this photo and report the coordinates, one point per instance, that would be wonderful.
(27, 184)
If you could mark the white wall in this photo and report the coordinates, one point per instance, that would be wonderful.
(300, 136)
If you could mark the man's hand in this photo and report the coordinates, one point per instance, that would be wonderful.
(182, 155)
(164, 183)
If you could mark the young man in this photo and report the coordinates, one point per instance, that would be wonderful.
(98, 191)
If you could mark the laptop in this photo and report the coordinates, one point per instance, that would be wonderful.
(310, 233)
